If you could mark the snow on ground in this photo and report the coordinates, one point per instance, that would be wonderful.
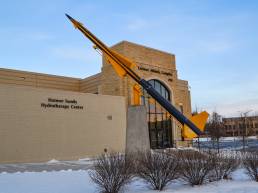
(79, 182)
(53, 161)
(46, 182)
(51, 165)
(201, 139)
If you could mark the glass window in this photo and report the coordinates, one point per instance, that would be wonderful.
(159, 120)
(182, 108)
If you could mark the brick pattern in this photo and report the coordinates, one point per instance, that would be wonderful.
(32, 133)
(90, 84)
(237, 126)
(151, 64)
(22, 78)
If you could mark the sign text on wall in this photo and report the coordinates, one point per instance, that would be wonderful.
(155, 71)
(61, 104)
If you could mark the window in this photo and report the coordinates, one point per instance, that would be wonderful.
(159, 120)
(181, 108)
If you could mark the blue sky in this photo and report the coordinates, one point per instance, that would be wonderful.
(215, 42)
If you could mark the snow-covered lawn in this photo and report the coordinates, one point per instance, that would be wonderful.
(79, 182)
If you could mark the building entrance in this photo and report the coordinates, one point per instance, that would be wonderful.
(159, 120)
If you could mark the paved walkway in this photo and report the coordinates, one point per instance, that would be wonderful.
(47, 166)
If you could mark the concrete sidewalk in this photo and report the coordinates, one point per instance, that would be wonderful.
(46, 166)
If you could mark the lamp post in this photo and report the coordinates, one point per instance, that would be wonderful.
(244, 131)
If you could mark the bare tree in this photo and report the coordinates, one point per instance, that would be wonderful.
(215, 128)
(195, 112)
(243, 117)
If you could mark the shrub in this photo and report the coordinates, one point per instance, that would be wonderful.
(195, 167)
(222, 166)
(157, 169)
(250, 162)
(111, 172)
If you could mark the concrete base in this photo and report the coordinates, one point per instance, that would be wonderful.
(137, 134)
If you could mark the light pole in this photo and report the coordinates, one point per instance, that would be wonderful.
(244, 131)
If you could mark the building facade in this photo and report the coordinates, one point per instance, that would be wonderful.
(239, 126)
(159, 68)
(39, 124)
(84, 117)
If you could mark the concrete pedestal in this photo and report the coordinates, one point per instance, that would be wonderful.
(137, 134)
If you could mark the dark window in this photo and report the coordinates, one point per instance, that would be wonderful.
(159, 120)
(182, 108)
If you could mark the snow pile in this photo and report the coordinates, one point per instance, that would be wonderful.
(53, 161)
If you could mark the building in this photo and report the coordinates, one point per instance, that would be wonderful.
(45, 116)
(237, 126)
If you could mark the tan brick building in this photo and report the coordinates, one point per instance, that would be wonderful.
(158, 67)
(237, 126)
(33, 108)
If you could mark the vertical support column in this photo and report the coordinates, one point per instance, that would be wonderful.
(137, 134)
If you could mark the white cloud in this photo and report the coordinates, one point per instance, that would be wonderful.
(216, 46)
(234, 109)
(137, 24)
(78, 54)
(39, 36)
(21, 33)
